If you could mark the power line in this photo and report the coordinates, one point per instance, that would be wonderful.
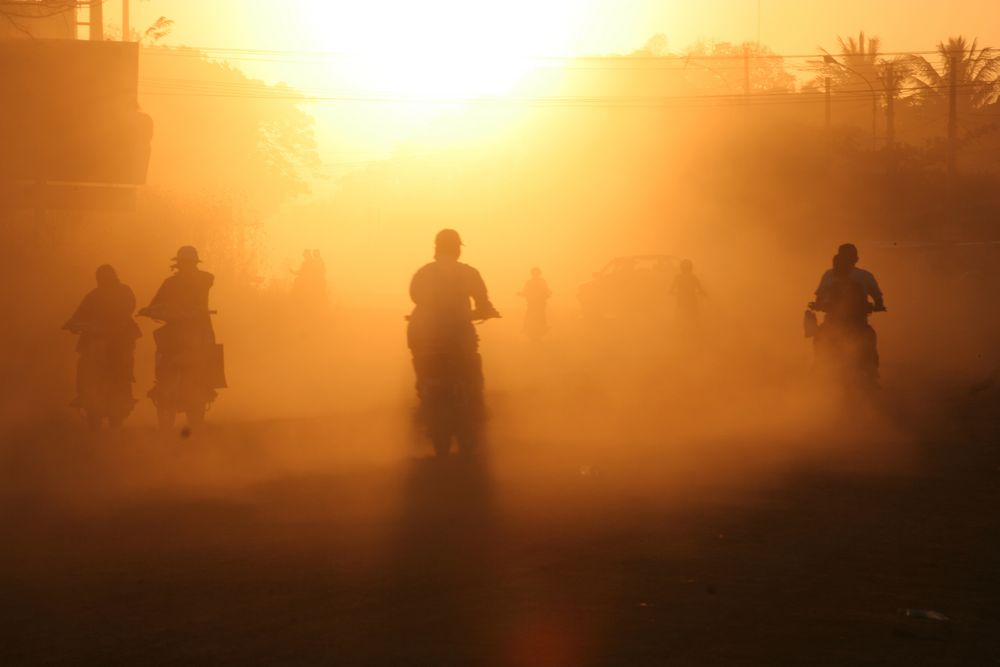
(256, 91)
(276, 55)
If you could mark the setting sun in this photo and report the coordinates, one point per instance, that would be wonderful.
(438, 49)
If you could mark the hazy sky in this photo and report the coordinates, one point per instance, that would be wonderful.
(418, 41)
(595, 25)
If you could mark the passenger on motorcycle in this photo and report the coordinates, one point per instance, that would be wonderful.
(106, 348)
(186, 355)
(448, 297)
(848, 254)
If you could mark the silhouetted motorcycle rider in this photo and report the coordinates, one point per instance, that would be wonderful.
(106, 347)
(188, 364)
(444, 344)
(846, 341)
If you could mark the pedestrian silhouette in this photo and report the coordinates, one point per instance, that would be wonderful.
(688, 291)
(309, 286)
(536, 294)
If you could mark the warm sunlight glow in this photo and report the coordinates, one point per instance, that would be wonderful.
(441, 49)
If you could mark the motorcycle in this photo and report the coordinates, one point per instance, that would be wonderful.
(189, 366)
(450, 390)
(104, 374)
(845, 344)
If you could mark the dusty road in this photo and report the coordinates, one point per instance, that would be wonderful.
(243, 545)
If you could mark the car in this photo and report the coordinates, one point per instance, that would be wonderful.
(631, 288)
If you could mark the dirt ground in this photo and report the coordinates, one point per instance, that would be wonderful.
(299, 543)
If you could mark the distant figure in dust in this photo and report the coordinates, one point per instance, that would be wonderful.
(319, 271)
(303, 274)
(536, 294)
(309, 286)
(189, 364)
(106, 347)
(688, 291)
(445, 346)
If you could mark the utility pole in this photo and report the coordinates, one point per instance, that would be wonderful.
(874, 121)
(758, 24)
(96, 20)
(890, 117)
(953, 115)
(890, 107)
(746, 71)
(829, 104)
(126, 29)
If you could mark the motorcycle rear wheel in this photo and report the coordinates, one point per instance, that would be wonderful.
(94, 420)
(442, 445)
(467, 443)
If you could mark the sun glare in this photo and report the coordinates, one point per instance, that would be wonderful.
(440, 49)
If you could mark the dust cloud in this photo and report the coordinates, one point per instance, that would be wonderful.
(757, 197)
(649, 386)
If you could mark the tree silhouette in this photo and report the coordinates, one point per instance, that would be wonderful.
(19, 15)
(709, 64)
(655, 46)
(858, 66)
(975, 72)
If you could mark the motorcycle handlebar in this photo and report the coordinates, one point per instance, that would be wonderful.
(477, 318)
(156, 313)
(813, 306)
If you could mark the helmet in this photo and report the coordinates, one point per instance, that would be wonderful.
(187, 254)
(106, 275)
(448, 238)
(447, 243)
(849, 251)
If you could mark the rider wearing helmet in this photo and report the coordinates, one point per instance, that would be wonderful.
(183, 297)
(187, 368)
(444, 293)
(448, 297)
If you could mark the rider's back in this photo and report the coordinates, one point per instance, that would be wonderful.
(109, 308)
(185, 294)
(845, 297)
(442, 292)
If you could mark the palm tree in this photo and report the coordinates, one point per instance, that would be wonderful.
(858, 66)
(971, 73)
(975, 71)
(857, 73)
(893, 74)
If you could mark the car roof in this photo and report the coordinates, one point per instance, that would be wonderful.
(641, 258)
